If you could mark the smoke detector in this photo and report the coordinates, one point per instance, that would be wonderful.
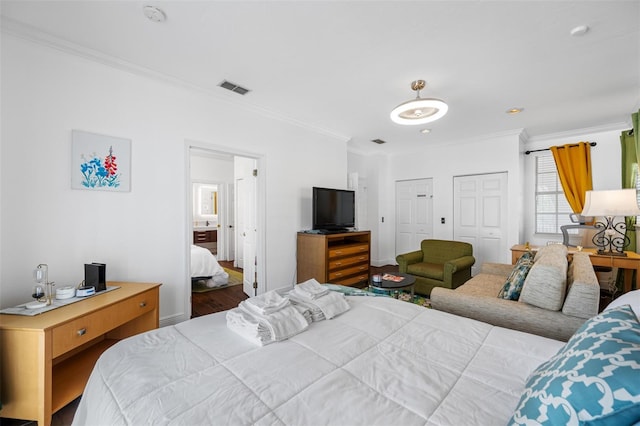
(154, 14)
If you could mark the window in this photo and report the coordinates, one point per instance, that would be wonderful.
(552, 208)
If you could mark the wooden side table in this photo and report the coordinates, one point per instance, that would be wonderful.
(46, 359)
(628, 263)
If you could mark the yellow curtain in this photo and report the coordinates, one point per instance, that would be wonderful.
(573, 162)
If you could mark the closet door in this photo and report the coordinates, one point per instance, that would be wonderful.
(480, 215)
(414, 213)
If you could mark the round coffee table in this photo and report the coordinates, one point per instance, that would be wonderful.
(390, 285)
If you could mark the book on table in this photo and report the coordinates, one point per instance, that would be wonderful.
(391, 277)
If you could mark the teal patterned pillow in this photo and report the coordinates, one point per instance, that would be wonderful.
(513, 286)
(594, 379)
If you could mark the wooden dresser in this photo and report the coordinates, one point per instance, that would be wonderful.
(46, 359)
(334, 258)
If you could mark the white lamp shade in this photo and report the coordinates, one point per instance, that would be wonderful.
(419, 111)
(618, 202)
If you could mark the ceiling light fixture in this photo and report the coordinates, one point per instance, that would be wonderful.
(514, 110)
(154, 14)
(419, 110)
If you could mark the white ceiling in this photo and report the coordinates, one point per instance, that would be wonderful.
(341, 66)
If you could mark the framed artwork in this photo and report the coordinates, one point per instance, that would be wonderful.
(100, 162)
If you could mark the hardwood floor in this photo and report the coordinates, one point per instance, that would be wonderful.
(217, 300)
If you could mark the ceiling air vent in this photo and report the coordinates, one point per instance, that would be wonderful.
(234, 87)
(378, 141)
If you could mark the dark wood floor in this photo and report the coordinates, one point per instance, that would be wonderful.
(217, 300)
(229, 297)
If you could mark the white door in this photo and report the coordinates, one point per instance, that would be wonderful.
(480, 215)
(229, 230)
(247, 231)
(414, 214)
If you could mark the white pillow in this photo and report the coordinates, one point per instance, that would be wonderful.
(631, 298)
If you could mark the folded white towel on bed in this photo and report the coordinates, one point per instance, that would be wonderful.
(266, 303)
(264, 329)
(311, 289)
(305, 311)
(248, 326)
(330, 305)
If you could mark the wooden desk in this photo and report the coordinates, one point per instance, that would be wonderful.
(628, 263)
(46, 359)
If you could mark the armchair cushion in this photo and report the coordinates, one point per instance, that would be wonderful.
(425, 269)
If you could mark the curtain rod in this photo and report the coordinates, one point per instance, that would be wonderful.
(547, 149)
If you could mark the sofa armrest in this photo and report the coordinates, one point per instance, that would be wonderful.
(407, 259)
(506, 313)
(502, 269)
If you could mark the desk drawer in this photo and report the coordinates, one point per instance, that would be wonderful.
(83, 329)
(348, 249)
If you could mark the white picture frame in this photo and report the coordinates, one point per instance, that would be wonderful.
(100, 162)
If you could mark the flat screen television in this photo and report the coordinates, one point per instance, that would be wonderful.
(333, 209)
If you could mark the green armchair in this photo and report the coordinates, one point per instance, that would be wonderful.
(438, 263)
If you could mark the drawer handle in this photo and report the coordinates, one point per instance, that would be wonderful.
(338, 263)
(338, 252)
(82, 332)
(143, 304)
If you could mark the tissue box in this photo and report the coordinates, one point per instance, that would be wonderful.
(95, 276)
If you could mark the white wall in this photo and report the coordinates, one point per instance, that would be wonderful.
(485, 155)
(605, 163)
(140, 235)
(442, 162)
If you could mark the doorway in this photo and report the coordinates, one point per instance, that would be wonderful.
(220, 169)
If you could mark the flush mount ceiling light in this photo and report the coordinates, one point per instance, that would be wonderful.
(419, 110)
(512, 111)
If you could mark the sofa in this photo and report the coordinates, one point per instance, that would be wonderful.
(438, 263)
(545, 293)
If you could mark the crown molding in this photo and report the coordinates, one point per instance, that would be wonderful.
(34, 35)
(581, 132)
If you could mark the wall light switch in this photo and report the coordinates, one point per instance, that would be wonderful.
(442, 220)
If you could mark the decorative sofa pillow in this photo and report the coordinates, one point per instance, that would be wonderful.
(551, 250)
(583, 289)
(631, 298)
(546, 282)
(593, 379)
(513, 286)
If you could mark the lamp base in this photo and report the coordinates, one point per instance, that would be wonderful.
(612, 253)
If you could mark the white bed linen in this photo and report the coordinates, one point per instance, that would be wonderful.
(383, 362)
(205, 265)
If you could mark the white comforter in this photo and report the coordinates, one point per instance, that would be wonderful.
(205, 265)
(383, 362)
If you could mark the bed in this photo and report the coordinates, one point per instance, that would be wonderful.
(383, 362)
(205, 267)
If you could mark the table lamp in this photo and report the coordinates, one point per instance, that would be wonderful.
(611, 238)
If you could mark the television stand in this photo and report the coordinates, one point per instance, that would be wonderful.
(337, 258)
